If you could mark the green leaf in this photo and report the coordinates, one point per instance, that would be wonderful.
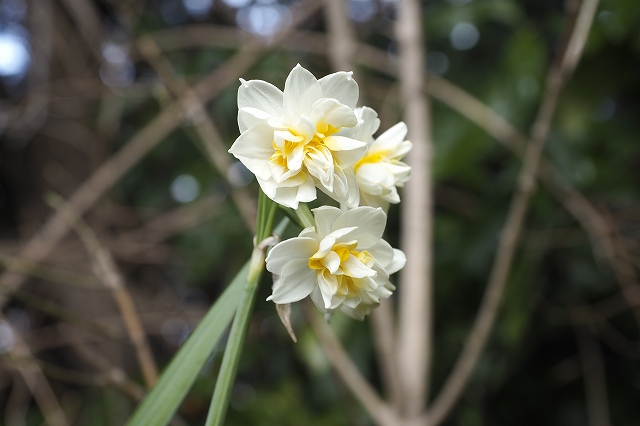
(238, 333)
(161, 403)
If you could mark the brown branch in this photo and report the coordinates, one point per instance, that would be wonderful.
(33, 116)
(483, 324)
(47, 273)
(106, 270)
(112, 374)
(59, 311)
(382, 324)
(342, 44)
(415, 333)
(36, 381)
(379, 411)
(595, 382)
(194, 110)
(17, 403)
(56, 227)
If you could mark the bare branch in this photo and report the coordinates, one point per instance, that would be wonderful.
(595, 382)
(36, 381)
(380, 412)
(105, 268)
(483, 324)
(382, 324)
(415, 309)
(194, 109)
(341, 40)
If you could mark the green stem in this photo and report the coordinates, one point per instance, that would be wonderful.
(231, 358)
(305, 216)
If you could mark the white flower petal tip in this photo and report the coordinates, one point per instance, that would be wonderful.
(342, 262)
(380, 172)
(289, 139)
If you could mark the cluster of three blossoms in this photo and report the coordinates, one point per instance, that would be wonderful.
(312, 136)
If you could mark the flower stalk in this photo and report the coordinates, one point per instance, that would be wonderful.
(237, 335)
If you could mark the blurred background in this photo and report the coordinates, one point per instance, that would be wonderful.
(126, 108)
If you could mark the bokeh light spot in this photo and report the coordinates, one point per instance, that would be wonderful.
(464, 36)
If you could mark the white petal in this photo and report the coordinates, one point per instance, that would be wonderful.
(328, 284)
(331, 261)
(352, 302)
(399, 260)
(327, 243)
(341, 143)
(310, 232)
(370, 222)
(336, 301)
(305, 127)
(269, 187)
(383, 253)
(260, 95)
(389, 139)
(330, 111)
(301, 90)
(318, 300)
(358, 313)
(340, 86)
(295, 287)
(373, 201)
(356, 269)
(371, 174)
(249, 117)
(401, 172)
(402, 149)
(289, 250)
(368, 124)
(324, 217)
(254, 148)
(346, 158)
(292, 196)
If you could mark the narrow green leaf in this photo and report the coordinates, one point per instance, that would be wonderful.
(231, 359)
(166, 396)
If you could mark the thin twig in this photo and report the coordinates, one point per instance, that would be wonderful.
(52, 308)
(595, 382)
(105, 268)
(194, 110)
(36, 381)
(341, 40)
(382, 324)
(114, 375)
(47, 273)
(483, 324)
(34, 114)
(18, 402)
(415, 308)
(379, 411)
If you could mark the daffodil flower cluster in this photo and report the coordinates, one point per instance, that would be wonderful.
(311, 136)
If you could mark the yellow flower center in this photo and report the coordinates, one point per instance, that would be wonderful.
(315, 147)
(346, 284)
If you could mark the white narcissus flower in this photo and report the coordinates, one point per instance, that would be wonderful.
(289, 139)
(342, 262)
(380, 171)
